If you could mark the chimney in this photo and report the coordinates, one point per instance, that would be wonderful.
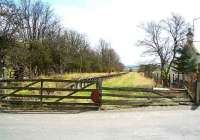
(189, 36)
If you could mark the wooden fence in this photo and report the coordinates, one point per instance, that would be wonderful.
(85, 93)
(190, 82)
(129, 96)
(61, 92)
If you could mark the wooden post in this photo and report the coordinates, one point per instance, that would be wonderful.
(99, 87)
(169, 80)
(4, 77)
(183, 79)
(178, 81)
(41, 91)
(80, 85)
(157, 80)
(198, 85)
(1, 90)
(76, 85)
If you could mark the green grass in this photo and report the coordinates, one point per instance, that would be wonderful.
(132, 79)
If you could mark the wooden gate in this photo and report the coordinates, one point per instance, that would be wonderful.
(42, 92)
(82, 93)
(85, 94)
(133, 97)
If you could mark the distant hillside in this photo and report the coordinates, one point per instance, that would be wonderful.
(133, 67)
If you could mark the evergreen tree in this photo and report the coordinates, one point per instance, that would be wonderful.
(187, 60)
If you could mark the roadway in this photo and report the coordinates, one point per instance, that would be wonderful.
(166, 123)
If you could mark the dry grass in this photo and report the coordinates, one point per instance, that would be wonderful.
(132, 79)
(72, 76)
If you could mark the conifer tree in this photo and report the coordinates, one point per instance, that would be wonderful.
(186, 62)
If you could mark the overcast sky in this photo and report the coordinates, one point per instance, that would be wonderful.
(117, 20)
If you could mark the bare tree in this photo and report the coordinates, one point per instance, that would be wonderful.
(156, 44)
(9, 19)
(76, 45)
(162, 40)
(176, 28)
(38, 20)
(108, 58)
(9, 25)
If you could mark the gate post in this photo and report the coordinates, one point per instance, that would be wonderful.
(198, 86)
(4, 77)
(41, 91)
(99, 88)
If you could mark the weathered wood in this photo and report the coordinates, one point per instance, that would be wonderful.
(69, 85)
(183, 100)
(77, 86)
(189, 93)
(48, 96)
(41, 91)
(137, 96)
(48, 103)
(197, 94)
(45, 89)
(128, 89)
(99, 88)
(31, 84)
(125, 102)
(36, 80)
(73, 92)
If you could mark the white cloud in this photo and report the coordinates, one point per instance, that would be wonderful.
(117, 21)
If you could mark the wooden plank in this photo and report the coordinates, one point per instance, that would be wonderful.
(170, 91)
(46, 89)
(49, 96)
(189, 93)
(125, 102)
(31, 84)
(37, 80)
(128, 89)
(69, 85)
(73, 92)
(185, 100)
(137, 102)
(137, 96)
(33, 80)
(166, 95)
(48, 103)
(88, 97)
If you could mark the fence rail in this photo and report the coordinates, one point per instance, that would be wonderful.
(130, 96)
(92, 93)
(43, 95)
